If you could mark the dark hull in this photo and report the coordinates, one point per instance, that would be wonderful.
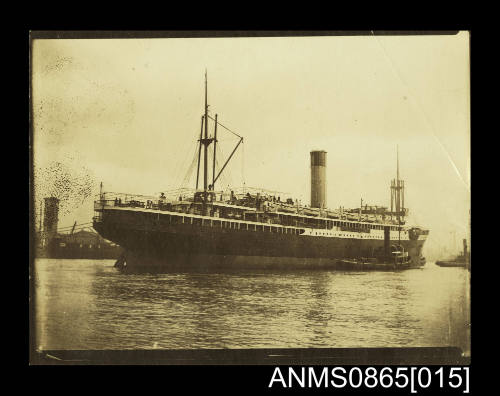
(451, 264)
(149, 241)
(200, 262)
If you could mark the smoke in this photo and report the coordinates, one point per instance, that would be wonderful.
(70, 182)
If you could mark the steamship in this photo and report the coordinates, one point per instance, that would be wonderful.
(207, 229)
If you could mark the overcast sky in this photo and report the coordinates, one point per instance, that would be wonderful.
(127, 112)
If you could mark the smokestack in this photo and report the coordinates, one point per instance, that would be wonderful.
(51, 217)
(465, 248)
(318, 179)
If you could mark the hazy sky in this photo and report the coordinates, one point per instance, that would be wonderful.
(127, 112)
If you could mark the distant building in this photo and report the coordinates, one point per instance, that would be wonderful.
(82, 244)
(51, 218)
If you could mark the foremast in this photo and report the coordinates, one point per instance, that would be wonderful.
(205, 141)
(398, 196)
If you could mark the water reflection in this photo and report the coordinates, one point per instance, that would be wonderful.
(91, 305)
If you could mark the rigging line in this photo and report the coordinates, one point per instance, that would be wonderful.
(82, 227)
(60, 230)
(223, 177)
(76, 228)
(180, 164)
(178, 180)
(226, 128)
(226, 177)
(229, 158)
(192, 168)
(79, 224)
(69, 227)
(224, 181)
(189, 172)
(243, 163)
(74, 231)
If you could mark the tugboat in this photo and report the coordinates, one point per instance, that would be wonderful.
(398, 260)
(462, 260)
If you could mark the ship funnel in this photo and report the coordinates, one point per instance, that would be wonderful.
(318, 179)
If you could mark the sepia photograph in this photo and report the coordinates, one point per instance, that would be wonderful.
(248, 193)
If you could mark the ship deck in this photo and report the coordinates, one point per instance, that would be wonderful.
(314, 221)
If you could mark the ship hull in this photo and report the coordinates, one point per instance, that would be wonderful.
(131, 261)
(150, 241)
(451, 264)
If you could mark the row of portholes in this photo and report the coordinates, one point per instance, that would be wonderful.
(331, 223)
(220, 223)
(62, 244)
(347, 235)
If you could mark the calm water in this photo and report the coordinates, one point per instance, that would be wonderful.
(87, 304)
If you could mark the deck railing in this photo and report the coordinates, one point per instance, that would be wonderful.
(181, 203)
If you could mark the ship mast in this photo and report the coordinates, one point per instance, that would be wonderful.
(399, 195)
(205, 164)
(205, 141)
(199, 153)
(397, 162)
(215, 146)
